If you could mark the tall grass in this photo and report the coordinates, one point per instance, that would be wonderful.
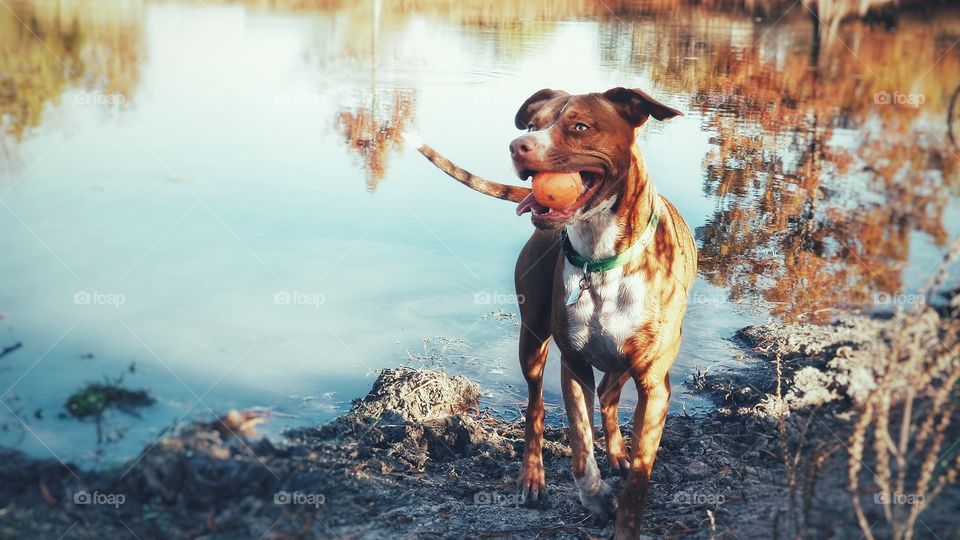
(902, 426)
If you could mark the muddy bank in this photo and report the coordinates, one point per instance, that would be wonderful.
(416, 458)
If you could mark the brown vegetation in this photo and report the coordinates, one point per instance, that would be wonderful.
(908, 415)
(47, 47)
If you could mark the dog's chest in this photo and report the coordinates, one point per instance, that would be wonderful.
(606, 315)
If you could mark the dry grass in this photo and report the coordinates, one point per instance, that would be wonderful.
(803, 460)
(902, 425)
(897, 433)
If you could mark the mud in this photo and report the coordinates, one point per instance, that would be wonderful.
(416, 458)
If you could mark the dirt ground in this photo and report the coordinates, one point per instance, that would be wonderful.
(416, 459)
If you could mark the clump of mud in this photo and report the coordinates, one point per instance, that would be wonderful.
(416, 395)
(821, 363)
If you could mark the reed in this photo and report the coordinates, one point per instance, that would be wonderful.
(896, 450)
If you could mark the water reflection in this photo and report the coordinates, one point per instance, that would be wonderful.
(830, 143)
(806, 191)
(375, 130)
(822, 172)
(50, 46)
(818, 182)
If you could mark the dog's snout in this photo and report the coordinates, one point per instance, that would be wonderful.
(522, 146)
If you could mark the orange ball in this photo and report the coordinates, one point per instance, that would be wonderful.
(556, 189)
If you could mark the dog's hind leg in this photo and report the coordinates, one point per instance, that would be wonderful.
(648, 421)
(609, 393)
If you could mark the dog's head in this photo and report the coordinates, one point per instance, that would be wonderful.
(589, 133)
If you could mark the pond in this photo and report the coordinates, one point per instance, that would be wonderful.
(214, 201)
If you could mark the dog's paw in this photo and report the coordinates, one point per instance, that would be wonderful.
(532, 485)
(619, 461)
(602, 504)
(629, 535)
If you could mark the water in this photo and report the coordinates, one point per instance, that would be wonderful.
(214, 201)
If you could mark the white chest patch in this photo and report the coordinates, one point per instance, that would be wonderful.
(611, 310)
(606, 315)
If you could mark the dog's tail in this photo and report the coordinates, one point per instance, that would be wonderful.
(472, 181)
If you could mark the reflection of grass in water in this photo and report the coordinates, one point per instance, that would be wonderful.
(436, 350)
(95, 398)
(502, 316)
(441, 350)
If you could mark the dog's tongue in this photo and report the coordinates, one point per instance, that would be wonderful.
(526, 204)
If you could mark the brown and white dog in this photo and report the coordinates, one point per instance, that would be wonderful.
(625, 321)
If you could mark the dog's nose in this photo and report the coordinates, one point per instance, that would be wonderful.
(521, 146)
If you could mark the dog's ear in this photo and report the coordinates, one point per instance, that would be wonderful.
(635, 105)
(533, 104)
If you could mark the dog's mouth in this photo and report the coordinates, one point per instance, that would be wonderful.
(592, 179)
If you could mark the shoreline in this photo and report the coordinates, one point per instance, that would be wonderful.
(415, 457)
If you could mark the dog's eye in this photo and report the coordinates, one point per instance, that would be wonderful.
(531, 127)
(580, 126)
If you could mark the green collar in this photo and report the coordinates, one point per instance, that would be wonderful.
(620, 259)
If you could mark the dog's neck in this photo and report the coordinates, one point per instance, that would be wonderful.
(616, 223)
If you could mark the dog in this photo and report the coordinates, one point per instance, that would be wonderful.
(606, 277)
(625, 317)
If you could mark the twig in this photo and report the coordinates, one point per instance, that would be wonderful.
(9, 349)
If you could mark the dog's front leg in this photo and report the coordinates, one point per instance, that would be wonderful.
(653, 397)
(533, 357)
(533, 280)
(576, 380)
